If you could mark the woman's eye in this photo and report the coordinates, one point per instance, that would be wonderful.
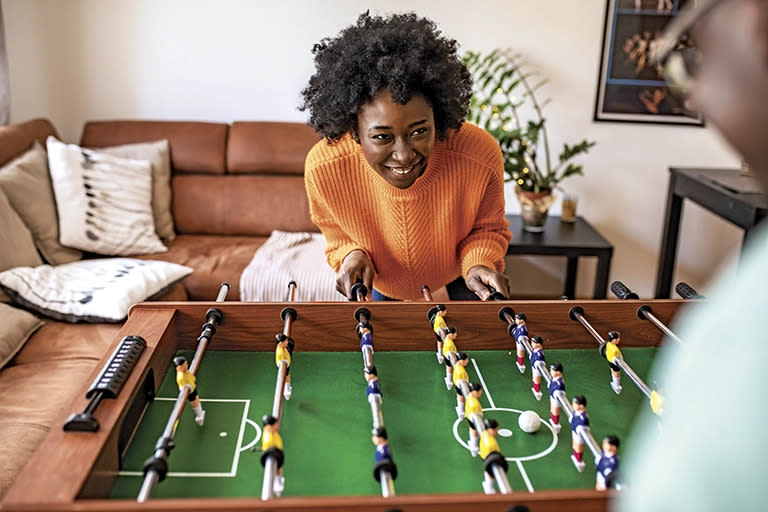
(420, 131)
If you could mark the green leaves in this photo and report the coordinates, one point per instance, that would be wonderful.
(502, 85)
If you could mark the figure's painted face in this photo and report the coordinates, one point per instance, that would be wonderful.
(396, 139)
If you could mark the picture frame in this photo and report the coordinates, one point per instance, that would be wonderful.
(630, 87)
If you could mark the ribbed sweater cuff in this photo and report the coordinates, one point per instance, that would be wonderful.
(485, 256)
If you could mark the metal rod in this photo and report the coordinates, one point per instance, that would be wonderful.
(223, 290)
(501, 479)
(378, 418)
(367, 356)
(646, 313)
(165, 443)
(270, 471)
(387, 484)
(618, 360)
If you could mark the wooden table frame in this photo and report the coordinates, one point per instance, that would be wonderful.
(87, 463)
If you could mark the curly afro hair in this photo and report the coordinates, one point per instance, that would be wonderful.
(403, 53)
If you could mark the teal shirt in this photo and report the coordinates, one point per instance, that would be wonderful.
(711, 452)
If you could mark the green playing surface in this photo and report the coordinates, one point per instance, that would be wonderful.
(327, 422)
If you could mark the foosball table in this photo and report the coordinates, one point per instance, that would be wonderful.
(81, 470)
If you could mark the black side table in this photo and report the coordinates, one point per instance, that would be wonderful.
(571, 240)
(725, 192)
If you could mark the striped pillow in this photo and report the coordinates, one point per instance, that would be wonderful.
(287, 257)
(104, 202)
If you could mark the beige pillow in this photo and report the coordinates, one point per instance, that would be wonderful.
(159, 155)
(15, 329)
(27, 186)
(104, 202)
(17, 248)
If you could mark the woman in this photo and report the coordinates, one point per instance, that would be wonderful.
(405, 194)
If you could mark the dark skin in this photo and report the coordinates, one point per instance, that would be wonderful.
(397, 141)
(733, 77)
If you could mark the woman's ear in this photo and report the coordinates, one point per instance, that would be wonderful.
(355, 135)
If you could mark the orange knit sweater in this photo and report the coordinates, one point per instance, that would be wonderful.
(449, 220)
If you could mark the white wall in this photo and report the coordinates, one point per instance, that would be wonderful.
(225, 60)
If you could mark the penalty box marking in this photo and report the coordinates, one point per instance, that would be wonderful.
(239, 445)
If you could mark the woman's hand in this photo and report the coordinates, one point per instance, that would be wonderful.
(480, 277)
(356, 267)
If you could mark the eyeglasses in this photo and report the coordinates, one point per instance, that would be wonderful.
(678, 58)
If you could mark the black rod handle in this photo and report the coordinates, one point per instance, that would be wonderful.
(686, 291)
(621, 291)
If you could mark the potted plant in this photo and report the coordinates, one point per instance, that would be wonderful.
(501, 87)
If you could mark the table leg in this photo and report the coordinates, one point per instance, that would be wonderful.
(669, 240)
(570, 277)
(601, 275)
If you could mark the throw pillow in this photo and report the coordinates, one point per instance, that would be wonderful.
(15, 329)
(97, 290)
(159, 155)
(104, 202)
(287, 257)
(17, 248)
(27, 185)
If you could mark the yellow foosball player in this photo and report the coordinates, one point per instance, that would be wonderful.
(185, 377)
(611, 352)
(272, 446)
(489, 452)
(283, 352)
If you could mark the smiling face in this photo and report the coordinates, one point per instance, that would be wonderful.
(397, 139)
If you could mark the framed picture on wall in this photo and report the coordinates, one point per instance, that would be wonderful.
(630, 87)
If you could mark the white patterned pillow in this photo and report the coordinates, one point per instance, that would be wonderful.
(104, 202)
(96, 290)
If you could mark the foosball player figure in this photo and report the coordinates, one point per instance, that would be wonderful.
(460, 374)
(283, 352)
(272, 446)
(521, 329)
(608, 464)
(556, 386)
(439, 325)
(372, 390)
(579, 419)
(449, 346)
(537, 354)
(382, 458)
(184, 377)
(365, 333)
(472, 407)
(610, 350)
(489, 452)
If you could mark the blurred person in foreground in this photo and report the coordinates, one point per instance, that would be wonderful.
(711, 450)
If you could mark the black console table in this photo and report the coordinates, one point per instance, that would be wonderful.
(725, 192)
(571, 240)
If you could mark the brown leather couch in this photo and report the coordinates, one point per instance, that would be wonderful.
(232, 184)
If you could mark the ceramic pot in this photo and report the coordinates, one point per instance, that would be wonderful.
(534, 208)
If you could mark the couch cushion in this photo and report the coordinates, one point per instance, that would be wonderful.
(159, 155)
(17, 138)
(61, 341)
(196, 147)
(33, 397)
(269, 147)
(97, 290)
(16, 328)
(216, 260)
(104, 202)
(240, 205)
(27, 185)
(17, 248)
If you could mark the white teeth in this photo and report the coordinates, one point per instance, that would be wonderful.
(401, 170)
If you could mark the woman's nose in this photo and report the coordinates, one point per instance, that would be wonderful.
(403, 152)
